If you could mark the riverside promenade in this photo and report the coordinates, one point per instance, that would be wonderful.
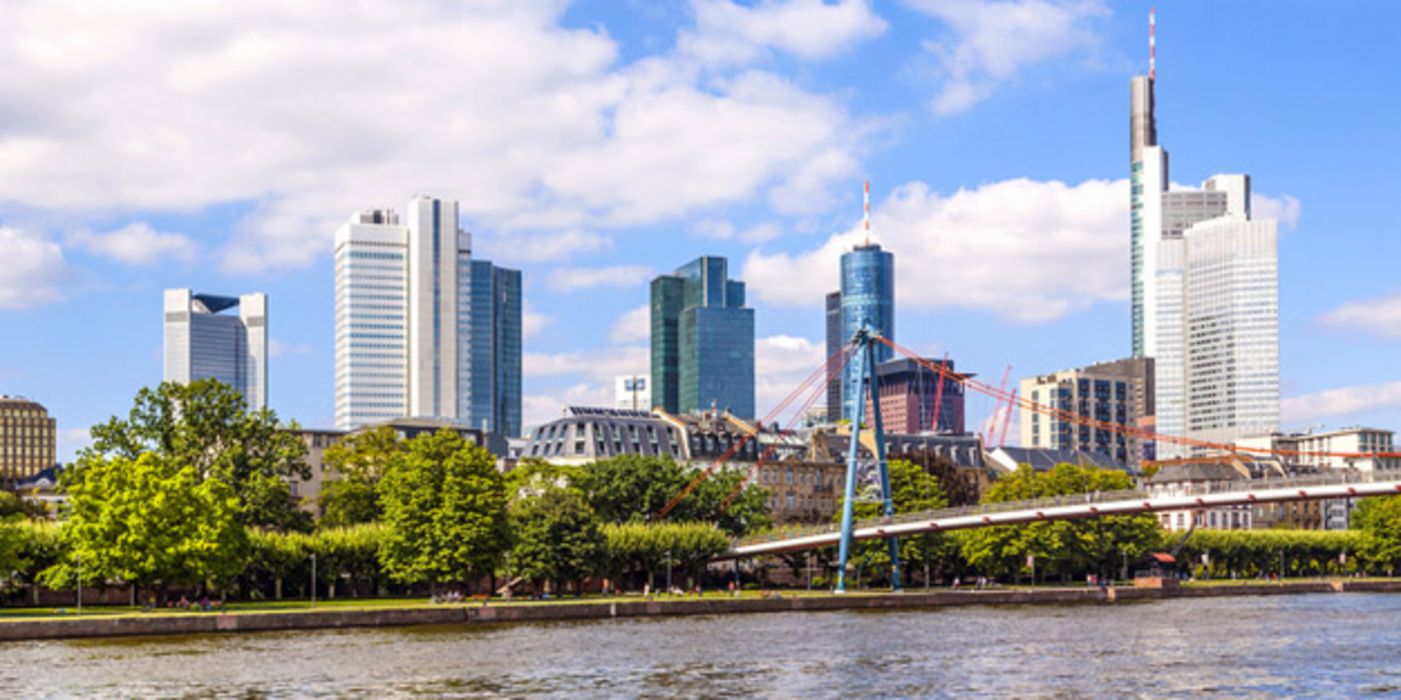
(386, 614)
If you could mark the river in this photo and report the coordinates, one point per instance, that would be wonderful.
(1300, 645)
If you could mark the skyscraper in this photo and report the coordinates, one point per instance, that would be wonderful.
(210, 336)
(835, 341)
(422, 329)
(702, 340)
(868, 299)
(1205, 292)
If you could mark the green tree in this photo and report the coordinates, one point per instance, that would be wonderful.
(1064, 548)
(1379, 521)
(347, 553)
(557, 537)
(358, 463)
(206, 426)
(152, 522)
(633, 488)
(647, 548)
(444, 511)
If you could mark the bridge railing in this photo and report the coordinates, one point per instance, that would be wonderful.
(1234, 486)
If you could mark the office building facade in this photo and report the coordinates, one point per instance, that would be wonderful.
(212, 336)
(833, 315)
(28, 440)
(1120, 393)
(422, 329)
(911, 399)
(1204, 291)
(867, 299)
(702, 341)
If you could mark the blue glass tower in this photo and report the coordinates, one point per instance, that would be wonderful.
(489, 347)
(702, 340)
(867, 299)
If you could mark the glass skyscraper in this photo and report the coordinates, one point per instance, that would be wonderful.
(867, 299)
(833, 313)
(702, 340)
(422, 329)
(211, 336)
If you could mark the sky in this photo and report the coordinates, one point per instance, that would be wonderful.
(596, 144)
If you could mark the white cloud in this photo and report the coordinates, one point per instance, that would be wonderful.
(134, 244)
(1380, 316)
(1345, 401)
(532, 321)
(543, 407)
(277, 348)
(570, 279)
(315, 109)
(1023, 249)
(809, 29)
(599, 366)
(1285, 209)
(69, 440)
(723, 230)
(994, 41)
(781, 363)
(634, 326)
(32, 269)
(544, 247)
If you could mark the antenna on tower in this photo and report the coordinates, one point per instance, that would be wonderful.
(867, 204)
(1153, 44)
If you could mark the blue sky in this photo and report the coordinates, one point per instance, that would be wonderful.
(598, 143)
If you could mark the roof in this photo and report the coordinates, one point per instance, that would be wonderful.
(1196, 471)
(1044, 458)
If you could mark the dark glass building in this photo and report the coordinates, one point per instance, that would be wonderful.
(489, 351)
(867, 298)
(702, 341)
(834, 343)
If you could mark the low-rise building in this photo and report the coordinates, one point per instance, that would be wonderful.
(1345, 448)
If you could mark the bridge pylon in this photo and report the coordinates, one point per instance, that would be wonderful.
(865, 341)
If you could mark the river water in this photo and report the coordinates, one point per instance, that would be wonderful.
(1324, 645)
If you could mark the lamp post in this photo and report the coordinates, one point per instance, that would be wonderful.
(313, 579)
(80, 583)
(668, 571)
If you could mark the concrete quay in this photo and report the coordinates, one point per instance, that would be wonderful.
(507, 612)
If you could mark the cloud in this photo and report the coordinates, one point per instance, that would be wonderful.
(1026, 250)
(277, 348)
(1345, 401)
(570, 279)
(994, 41)
(1380, 316)
(543, 407)
(68, 441)
(134, 244)
(532, 321)
(600, 366)
(1285, 209)
(781, 363)
(809, 29)
(32, 269)
(305, 112)
(634, 326)
(723, 230)
(544, 247)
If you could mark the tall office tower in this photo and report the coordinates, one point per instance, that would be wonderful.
(702, 341)
(834, 343)
(868, 298)
(1169, 228)
(422, 329)
(27, 440)
(209, 336)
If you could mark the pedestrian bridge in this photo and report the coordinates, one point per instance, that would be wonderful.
(1090, 505)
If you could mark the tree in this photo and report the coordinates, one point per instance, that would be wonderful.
(358, 463)
(1065, 548)
(151, 521)
(1379, 520)
(633, 488)
(646, 547)
(557, 537)
(913, 489)
(206, 426)
(444, 511)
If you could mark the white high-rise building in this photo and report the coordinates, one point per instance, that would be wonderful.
(1205, 293)
(422, 330)
(211, 336)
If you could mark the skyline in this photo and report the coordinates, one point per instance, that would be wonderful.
(86, 266)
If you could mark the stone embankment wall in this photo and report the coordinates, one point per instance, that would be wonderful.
(208, 623)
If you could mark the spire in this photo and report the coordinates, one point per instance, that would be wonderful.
(867, 204)
(1153, 44)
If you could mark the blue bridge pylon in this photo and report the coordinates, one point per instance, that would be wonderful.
(864, 356)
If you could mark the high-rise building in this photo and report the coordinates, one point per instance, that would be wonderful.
(911, 400)
(702, 341)
(422, 329)
(868, 299)
(1118, 393)
(630, 393)
(835, 341)
(27, 440)
(1205, 293)
(210, 336)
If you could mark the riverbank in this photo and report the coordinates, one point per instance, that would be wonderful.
(406, 614)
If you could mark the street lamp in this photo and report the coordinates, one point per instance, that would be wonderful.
(313, 579)
(668, 571)
(80, 583)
